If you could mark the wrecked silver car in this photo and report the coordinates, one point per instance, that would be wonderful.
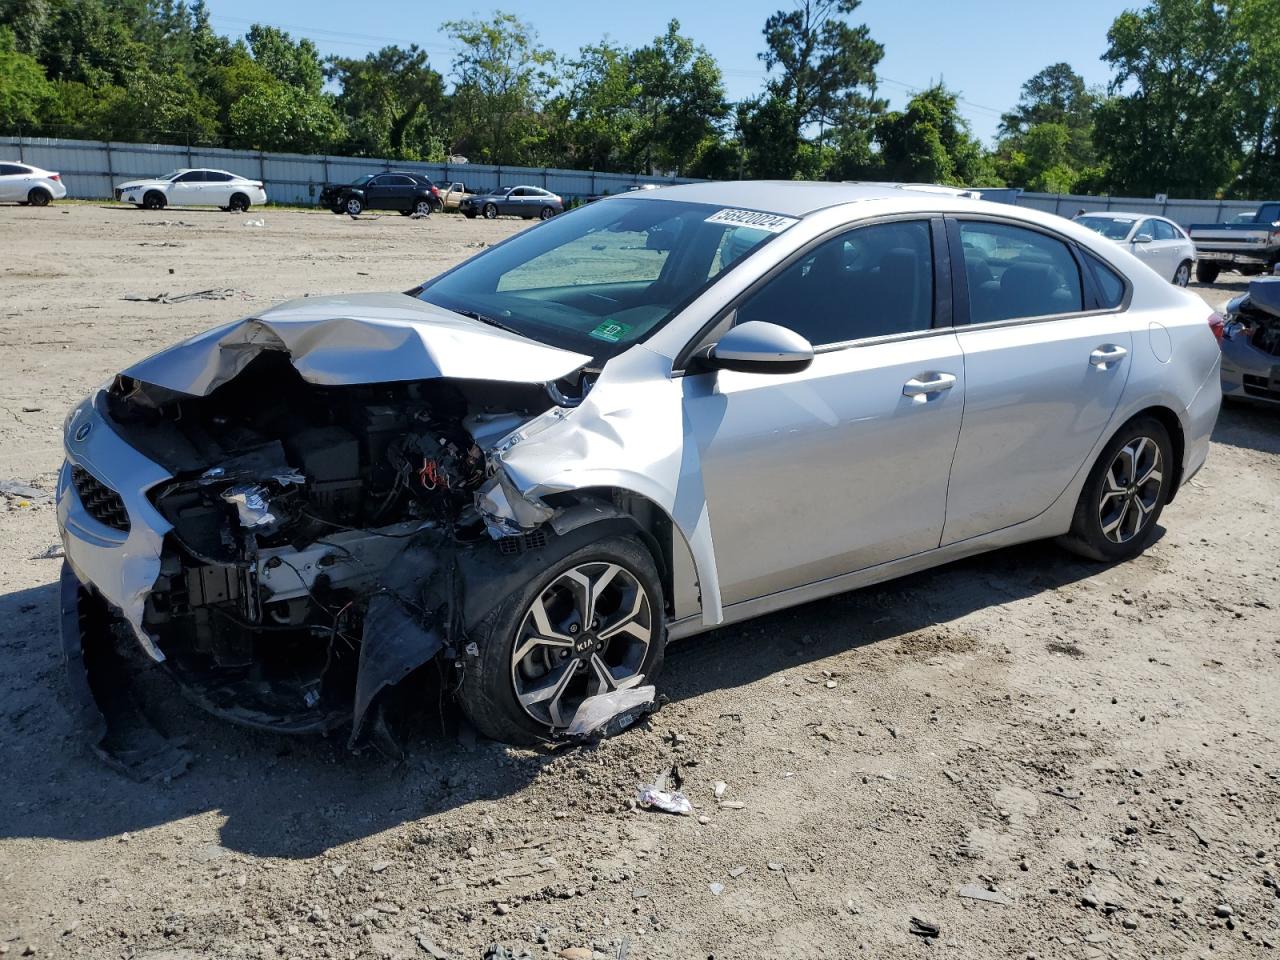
(659, 413)
(1251, 344)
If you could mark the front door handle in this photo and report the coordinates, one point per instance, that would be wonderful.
(1107, 354)
(936, 383)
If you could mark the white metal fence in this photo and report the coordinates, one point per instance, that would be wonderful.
(90, 168)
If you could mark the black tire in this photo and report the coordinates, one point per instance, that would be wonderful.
(546, 213)
(1182, 276)
(469, 214)
(154, 200)
(490, 211)
(353, 206)
(488, 690)
(39, 197)
(406, 213)
(1207, 272)
(239, 203)
(423, 208)
(1088, 536)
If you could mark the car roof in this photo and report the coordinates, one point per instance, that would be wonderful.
(797, 198)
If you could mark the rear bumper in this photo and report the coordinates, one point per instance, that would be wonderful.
(1202, 414)
(1246, 257)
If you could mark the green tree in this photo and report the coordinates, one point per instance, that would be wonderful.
(26, 20)
(929, 142)
(592, 120)
(26, 95)
(1255, 82)
(1171, 125)
(392, 100)
(679, 100)
(1046, 141)
(501, 81)
(822, 74)
(293, 63)
(280, 117)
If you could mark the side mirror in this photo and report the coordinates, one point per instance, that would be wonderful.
(759, 347)
(1142, 238)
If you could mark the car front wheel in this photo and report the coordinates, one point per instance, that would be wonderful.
(590, 624)
(154, 200)
(1127, 488)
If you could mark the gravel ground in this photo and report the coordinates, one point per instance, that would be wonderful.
(1097, 744)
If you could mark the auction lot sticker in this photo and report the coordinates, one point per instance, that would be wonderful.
(771, 222)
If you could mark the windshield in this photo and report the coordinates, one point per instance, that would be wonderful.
(604, 276)
(171, 174)
(1113, 228)
(361, 181)
(1247, 217)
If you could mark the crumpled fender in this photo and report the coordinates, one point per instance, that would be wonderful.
(629, 433)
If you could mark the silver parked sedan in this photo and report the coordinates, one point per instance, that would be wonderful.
(661, 413)
(1159, 243)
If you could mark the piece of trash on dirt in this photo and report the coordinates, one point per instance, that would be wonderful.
(1065, 793)
(923, 928)
(419, 216)
(669, 801)
(377, 866)
(971, 891)
(731, 805)
(214, 293)
(496, 951)
(255, 223)
(607, 714)
(720, 788)
(736, 872)
(32, 409)
(23, 491)
(50, 553)
(575, 953)
(476, 245)
(716, 888)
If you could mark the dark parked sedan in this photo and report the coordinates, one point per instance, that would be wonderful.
(527, 202)
(399, 190)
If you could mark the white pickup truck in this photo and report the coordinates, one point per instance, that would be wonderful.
(1251, 245)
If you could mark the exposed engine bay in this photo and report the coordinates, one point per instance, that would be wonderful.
(1256, 316)
(308, 518)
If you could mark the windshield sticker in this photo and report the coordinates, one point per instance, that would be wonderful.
(610, 331)
(771, 222)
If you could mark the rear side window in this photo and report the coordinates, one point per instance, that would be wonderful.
(1164, 230)
(1015, 273)
(1269, 213)
(870, 282)
(1109, 283)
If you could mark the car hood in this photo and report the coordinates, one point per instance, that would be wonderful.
(134, 184)
(361, 338)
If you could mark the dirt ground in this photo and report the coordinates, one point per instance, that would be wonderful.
(1096, 743)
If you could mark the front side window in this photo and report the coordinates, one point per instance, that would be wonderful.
(1014, 272)
(870, 282)
(604, 276)
(11, 170)
(194, 176)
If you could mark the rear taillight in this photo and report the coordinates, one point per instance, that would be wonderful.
(55, 176)
(435, 191)
(1216, 324)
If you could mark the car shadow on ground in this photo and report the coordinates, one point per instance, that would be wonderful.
(298, 797)
(1247, 425)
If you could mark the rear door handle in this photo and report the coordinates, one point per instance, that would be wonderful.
(1106, 354)
(937, 383)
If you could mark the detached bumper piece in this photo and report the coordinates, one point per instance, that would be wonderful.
(104, 708)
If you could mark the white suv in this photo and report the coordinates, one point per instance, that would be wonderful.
(187, 188)
(25, 184)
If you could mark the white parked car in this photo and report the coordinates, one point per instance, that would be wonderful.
(25, 184)
(1159, 243)
(194, 188)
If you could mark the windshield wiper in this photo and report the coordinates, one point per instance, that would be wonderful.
(483, 318)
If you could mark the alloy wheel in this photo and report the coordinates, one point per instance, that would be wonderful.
(423, 208)
(354, 207)
(1183, 276)
(587, 633)
(490, 211)
(1131, 490)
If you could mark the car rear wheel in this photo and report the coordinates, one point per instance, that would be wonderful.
(1207, 272)
(422, 208)
(592, 623)
(1127, 488)
(154, 200)
(353, 206)
(546, 213)
(39, 197)
(490, 211)
(239, 203)
(1182, 276)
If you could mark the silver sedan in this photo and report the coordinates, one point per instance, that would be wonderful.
(665, 412)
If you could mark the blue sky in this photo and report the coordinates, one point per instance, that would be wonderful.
(985, 49)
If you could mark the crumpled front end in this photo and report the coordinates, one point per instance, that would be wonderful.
(288, 537)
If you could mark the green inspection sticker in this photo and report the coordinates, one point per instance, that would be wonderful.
(611, 331)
